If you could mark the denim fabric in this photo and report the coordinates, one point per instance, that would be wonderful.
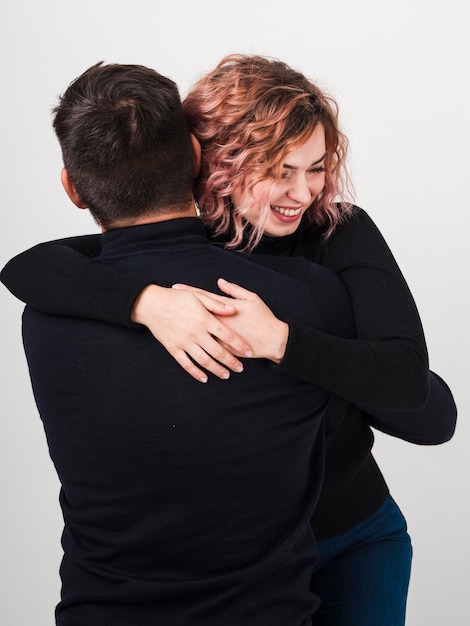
(362, 575)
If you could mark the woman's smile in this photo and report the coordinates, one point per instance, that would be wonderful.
(286, 214)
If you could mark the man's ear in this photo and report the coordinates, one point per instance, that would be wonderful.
(70, 189)
(197, 155)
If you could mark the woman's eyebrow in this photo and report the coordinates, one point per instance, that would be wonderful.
(292, 167)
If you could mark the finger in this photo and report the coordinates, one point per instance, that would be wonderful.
(185, 362)
(229, 338)
(235, 291)
(222, 306)
(211, 355)
(199, 357)
(216, 359)
(230, 349)
(185, 287)
(214, 303)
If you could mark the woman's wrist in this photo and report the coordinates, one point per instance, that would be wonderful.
(278, 348)
(139, 313)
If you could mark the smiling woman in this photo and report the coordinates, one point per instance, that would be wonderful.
(258, 120)
(281, 203)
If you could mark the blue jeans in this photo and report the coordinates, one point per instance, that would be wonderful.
(362, 575)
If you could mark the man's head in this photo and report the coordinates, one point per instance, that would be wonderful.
(125, 144)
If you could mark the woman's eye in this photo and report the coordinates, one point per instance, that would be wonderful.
(317, 170)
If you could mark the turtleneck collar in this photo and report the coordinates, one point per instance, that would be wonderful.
(168, 233)
(274, 246)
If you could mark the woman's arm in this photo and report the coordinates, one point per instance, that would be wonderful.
(431, 425)
(386, 367)
(63, 278)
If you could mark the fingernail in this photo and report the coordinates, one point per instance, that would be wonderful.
(249, 353)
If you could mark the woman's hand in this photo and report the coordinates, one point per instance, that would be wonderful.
(253, 320)
(189, 325)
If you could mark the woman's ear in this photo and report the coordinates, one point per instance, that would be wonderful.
(70, 190)
(197, 155)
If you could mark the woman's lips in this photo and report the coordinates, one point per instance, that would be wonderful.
(286, 214)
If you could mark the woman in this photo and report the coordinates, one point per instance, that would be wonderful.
(273, 166)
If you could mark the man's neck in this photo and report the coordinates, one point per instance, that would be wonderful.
(153, 218)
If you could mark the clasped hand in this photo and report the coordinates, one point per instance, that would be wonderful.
(201, 329)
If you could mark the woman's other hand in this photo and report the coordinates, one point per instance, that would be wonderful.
(253, 320)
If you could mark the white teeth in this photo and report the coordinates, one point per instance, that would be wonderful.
(286, 212)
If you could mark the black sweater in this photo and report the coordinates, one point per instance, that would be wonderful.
(385, 371)
(184, 504)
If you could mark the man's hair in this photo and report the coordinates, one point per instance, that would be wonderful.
(125, 142)
(247, 114)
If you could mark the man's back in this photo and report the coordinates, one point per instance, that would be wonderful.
(183, 503)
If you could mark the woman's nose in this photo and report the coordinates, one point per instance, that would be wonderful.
(299, 190)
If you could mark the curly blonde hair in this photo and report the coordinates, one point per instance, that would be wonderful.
(248, 114)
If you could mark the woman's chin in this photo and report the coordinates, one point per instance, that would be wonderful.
(281, 225)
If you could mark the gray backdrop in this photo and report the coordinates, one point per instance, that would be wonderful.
(400, 73)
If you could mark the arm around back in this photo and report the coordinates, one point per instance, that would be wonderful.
(62, 278)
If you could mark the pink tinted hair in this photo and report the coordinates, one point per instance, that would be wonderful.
(248, 114)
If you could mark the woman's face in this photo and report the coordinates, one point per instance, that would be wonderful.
(302, 179)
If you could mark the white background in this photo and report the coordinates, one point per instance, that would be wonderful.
(400, 72)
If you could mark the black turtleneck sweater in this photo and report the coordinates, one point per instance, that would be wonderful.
(183, 504)
(379, 379)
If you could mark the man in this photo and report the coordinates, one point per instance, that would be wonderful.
(183, 504)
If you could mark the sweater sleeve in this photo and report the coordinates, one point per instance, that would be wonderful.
(62, 277)
(386, 367)
(431, 425)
